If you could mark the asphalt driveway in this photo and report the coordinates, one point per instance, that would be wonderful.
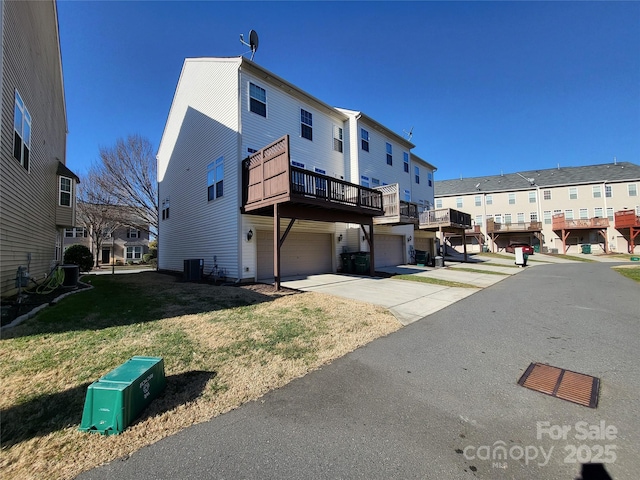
(439, 399)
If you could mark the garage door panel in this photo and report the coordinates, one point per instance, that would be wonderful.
(301, 254)
(389, 250)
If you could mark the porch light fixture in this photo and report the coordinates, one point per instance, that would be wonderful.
(249, 235)
(409, 238)
(339, 238)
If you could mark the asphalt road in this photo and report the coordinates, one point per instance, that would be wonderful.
(439, 399)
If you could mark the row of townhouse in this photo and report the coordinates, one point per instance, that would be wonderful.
(119, 246)
(37, 191)
(259, 179)
(557, 209)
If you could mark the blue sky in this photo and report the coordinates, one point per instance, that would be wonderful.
(486, 86)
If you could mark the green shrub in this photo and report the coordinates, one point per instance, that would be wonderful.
(146, 257)
(79, 255)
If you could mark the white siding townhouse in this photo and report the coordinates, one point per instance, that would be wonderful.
(246, 157)
(592, 208)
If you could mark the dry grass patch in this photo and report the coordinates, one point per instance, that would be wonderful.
(222, 346)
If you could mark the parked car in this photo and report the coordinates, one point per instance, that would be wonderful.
(526, 248)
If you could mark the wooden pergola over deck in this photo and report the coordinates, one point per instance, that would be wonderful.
(495, 230)
(271, 186)
(628, 223)
(567, 227)
(447, 220)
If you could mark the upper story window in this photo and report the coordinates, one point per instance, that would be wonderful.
(507, 219)
(389, 154)
(546, 194)
(215, 179)
(489, 199)
(520, 217)
(306, 124)
(165, 208)
(438, 203)
(512, 199)
(133, 233)
(633, 190)
(533, 216)
(547, 217)
(573, 193)
(532, 197)
(257, 100)
(478, 220)
(65, 191)
(584, 213)
(568, 214)
(478, 201)
(430, 178)
(77, 232)
(21, 132)
(364, 181)
(607, 191)
(407, 195)
(364, 140)
(610, 213)
(416, 174)
(405, 159)
(458, 202)
(597, 191)
(375, 182)
(597, 212)
(337, 138)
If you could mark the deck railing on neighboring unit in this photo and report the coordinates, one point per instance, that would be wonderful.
(445, 217)
(559, 222)
(493, 226)
(627, 219)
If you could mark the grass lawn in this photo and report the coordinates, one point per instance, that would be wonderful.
(222, 346)
(434, 281)
(632, 272)
(480, 270)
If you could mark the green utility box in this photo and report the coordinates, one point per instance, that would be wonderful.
(115, 400)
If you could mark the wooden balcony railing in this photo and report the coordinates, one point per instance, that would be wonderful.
(269, 177)
(627, 219)
(445, 217)
(559, 222)
(396, 210)
(494, 227)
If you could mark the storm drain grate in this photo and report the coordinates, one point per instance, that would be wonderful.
(565, 384)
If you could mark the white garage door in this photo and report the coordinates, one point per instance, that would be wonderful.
(424, 244)
(301, 254)
(389, 250)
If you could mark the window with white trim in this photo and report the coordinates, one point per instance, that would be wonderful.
(76, 232)
(533, 216)
(607, 191)
(478, 200)
(430, 178)
(405, 159)
(532, 197)
(364, 140)
(573, 193)
(507, 219)
(134, 253)
(498, 218)
(597, 191)
(512, 199)
(133, 233)
(306, 124)
(597, 212)
(546, 215)
(165, 209)
(416, 174)
(584, 213)
(65, 191)
(337, 138)
(632, 189)
(459, 202)
(215, 179)
(407, 195)
(257, 100)
(520, 217)
(546, 194)
(21, 132)
(438, 203)
(389, 153)
(568, 214)
(610, 214)
(489, 199)
(478, 220)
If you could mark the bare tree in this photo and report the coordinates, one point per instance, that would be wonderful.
(128, 174)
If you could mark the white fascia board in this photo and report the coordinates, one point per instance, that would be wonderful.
(378, 126)
(416, 158)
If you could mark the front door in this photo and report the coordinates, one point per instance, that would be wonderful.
(106, 256)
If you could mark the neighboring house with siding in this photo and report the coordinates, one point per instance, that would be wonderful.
(38, 191)
(120, 246)
(554, 209)
(223, 194)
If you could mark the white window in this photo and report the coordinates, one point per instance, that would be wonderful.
(547, 217)
(489, 199)
(416, 173)
(165, 208)
(507, 219)
(389, 153)
(597, 212)
(546, 194)
(597, 191)
(337, 138)
(573, 193)
(364, 181)
(512, 199)
(405, 159)
(532, 197)
(478, 200)
(568, 214)
(633, 190)
(533, 216)
(407, 195)
(21, 132)
(584, 214)
(520, 217)
(257, 100)
(478, 220)
(215, 179)
(65, 191)
(459, 202)
(133, 233)
(364, 140)
(306, 124)
(498, 218)
(134, 253)
(607, 191)
(438, 203)
(610, 213)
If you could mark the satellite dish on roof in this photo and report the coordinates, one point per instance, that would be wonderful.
(253, 42)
